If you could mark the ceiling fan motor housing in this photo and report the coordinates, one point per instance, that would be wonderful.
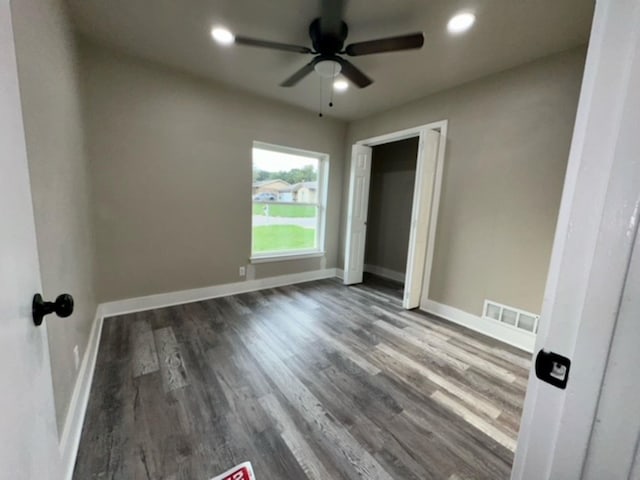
(327, 43)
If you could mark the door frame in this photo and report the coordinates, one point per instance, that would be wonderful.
(597, 222)
(420, 132)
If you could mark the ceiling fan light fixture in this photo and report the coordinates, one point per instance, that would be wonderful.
(222, 35)
(340, 85)
(461, 22)
(327, 68)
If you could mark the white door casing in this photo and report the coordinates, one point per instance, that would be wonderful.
(614, 445)
(613, 448)
(424, 214)
(597, 224)
(358, 206)
(420, 217)
(28, 432)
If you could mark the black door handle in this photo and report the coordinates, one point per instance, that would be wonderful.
(63, 307)
(553, 368)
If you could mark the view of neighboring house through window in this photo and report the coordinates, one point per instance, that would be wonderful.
(288, 195)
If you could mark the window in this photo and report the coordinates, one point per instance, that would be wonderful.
(288, 202)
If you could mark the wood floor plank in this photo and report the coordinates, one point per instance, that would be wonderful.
(364, 465)
(479, 362)
(145, 358)
(310, 381)
(107, 431)
(475, 420)
(468, 397)
(237, 305)
(465, 448)
(467, 337)
(312, 466)
(337, 344)
(435, 354)
(417, 337)
(172, 369)
(159, 441)
(357, 414)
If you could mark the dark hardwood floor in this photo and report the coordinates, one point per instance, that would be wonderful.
(314, 381)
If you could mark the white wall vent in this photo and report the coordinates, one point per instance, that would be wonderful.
(511, 316)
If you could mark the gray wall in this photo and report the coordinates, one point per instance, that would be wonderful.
(507, 149)
(171, 166)
(393, 174)
(59, 179)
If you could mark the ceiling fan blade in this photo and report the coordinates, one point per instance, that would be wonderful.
(331, 13)
(392, 44)
(253, 42)
(351, 72)
(299, 75)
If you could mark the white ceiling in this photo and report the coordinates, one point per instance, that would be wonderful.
(176, 33)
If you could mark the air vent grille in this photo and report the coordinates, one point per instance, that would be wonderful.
(514, 317)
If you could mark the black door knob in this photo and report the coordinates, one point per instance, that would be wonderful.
(63, 307)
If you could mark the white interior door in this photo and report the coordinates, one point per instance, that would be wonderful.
(28, 433)
(420, 218)
(358, 206)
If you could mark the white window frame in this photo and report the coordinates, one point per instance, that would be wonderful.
(323, 182)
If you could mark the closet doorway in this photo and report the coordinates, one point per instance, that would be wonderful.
(393, 175)
(425, 198)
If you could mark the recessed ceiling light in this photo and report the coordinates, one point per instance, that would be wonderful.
(461, 22)
(340, 85)
(222, 35)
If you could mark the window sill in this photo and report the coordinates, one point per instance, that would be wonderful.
(285, 257)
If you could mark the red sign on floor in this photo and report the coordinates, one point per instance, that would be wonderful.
(239, 472)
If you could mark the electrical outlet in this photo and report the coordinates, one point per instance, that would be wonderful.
(243, 271)
(76, 356)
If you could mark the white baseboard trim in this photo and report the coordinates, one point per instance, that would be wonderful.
(130, 305)
(505, 333)
(340, 273)
(385, 272)
(72, 429)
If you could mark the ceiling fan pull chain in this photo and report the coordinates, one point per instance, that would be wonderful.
(331, 86)
(320, 114)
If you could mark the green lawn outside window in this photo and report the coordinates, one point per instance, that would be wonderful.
(273, 238)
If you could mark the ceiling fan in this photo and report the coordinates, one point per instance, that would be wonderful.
(328, 34)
